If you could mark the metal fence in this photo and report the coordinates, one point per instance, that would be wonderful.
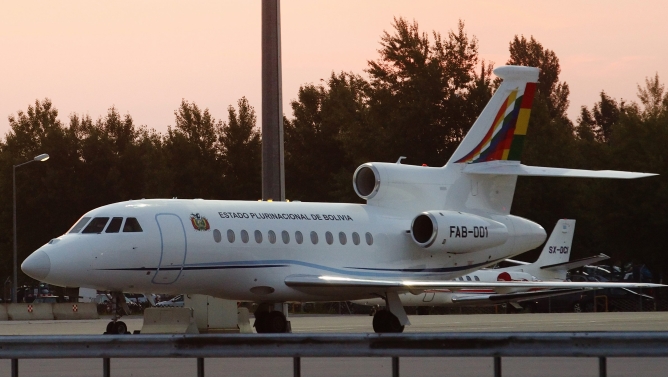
(600, 345)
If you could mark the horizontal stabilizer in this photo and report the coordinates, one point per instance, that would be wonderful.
(576, 263)
(515, 168)
(516, 262)
(508, 297)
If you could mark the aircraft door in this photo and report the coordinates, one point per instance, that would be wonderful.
(173, 248)
(428, 296)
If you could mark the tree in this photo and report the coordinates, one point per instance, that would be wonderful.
(192, 154)
(241, 148)
(652, 98)
(45, 202)
(326, 118)
(421, 92)
(600, 121)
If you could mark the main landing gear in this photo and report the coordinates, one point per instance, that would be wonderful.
(271, 319)
(386, 322)
(393, 318)
(119, 308)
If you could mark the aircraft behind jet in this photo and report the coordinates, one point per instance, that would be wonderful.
(420, 228)
(552, 265)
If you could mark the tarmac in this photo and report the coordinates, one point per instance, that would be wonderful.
(350, 367)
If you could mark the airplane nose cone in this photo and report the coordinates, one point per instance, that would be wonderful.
(37, 265)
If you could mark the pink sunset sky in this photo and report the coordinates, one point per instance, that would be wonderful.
(143, 57)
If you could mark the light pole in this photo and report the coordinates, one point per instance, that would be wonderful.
(41, 157)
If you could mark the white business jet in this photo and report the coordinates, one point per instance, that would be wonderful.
(552, 265)
(421, 227)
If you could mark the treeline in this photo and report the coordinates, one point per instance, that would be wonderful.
(418, 99)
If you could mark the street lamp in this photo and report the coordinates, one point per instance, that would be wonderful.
(41, 157)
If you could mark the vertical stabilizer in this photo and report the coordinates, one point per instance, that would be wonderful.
(558, 247)
(499, 131)
(496, 137)
(557, 251)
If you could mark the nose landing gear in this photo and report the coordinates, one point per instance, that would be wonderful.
(119, 308)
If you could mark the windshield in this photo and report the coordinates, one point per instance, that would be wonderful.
(79, 225)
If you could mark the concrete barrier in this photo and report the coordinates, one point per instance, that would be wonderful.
(213, 314)
(75, 310)
(28, 312)
(3, 312)
(169, 321)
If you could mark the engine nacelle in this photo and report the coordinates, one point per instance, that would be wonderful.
(456, 232)
(399, 186)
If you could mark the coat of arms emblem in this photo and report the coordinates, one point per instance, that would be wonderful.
(199, 222)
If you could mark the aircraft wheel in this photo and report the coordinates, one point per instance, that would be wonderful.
(110, 328)
(386, 322)
(276, 322)
(118, 327)
(261, 322)
(121, 327)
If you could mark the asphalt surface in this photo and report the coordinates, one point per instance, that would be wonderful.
(350, 367)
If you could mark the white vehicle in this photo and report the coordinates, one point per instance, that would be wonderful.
(421, 228)
(552, 265)
(175, 302)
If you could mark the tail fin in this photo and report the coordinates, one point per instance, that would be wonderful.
(557, 251)
(558, 247)
(499, 131)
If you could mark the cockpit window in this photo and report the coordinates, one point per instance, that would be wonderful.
(131, 225)
(79, 225)
(114, 225)
(96, 225)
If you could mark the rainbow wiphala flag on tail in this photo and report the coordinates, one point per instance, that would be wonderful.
(505, 138)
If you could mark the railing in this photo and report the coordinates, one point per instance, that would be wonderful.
(497, 345)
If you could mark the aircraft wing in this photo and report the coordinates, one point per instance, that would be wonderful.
(504, 168)
(576, 263)
(337, 285)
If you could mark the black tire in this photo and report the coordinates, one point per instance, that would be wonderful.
(120, 328)
(386, 322)
(577, 308)
(110, 328)
(276, 322)
(260, 322)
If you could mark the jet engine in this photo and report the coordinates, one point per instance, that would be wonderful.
(456, 232)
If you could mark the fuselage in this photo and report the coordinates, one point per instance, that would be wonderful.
(243, 250)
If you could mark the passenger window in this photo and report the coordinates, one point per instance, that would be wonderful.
(114, 225)
(356, 238)
(258, 236)
(272, 237)
(96, 225)
(461, 278)
(79, 225)
(329, 238)
(342, 238)
(476, 278)
(468, 278)
(314, 238)
(299, 237)
(369, 239)
(244, 236)
(286, 237)
(217, 236)
(131, 225)
(230, 236)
